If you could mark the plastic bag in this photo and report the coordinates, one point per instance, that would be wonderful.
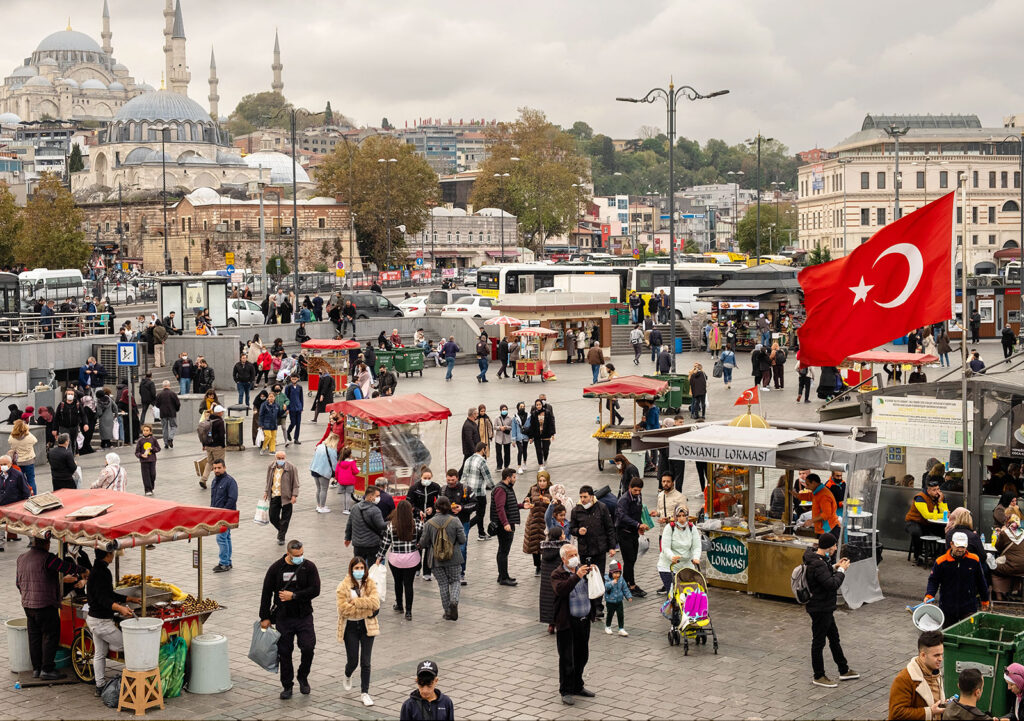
(595, 583)
(172, 666)
(156, 413)
(262, 515)
(263, 647)
(645, 517)
(259, 437)
(77, 477)
(380, 578)
(110, 693)
(644, 545)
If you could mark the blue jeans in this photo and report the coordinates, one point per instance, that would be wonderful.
(654, 353)
(944, 358)
(483, 364)
(450, 360)
(224, 544)
(294, 419)
(466, 525)
(595, 368)
(243, 390)
(727, 374)
(184, 386)
(633, 315)
(29, 471)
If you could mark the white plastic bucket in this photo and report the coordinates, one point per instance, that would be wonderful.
(17, 645)
(929, 617)
(141, 643)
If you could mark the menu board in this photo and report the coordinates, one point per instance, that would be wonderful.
(921, 422)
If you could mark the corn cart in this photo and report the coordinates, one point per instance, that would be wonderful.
(331, 356)
(859, 368)
(536, 344)
(612, 440)
(100, 518)
(394, 437)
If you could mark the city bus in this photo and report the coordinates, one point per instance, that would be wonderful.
(690, 279)
(498, 281)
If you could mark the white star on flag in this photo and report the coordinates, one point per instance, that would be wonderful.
(860, 292)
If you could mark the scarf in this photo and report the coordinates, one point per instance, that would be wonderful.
(932, 679)
(521, 412)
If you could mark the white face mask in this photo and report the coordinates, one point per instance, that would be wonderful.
(376, 499)
(587, 505)
(4, 469)
(573, 562)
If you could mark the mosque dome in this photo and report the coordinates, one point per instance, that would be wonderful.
(67, 81)
(115, 86)
(155, 156)
(24, 71)
(203, 196)
(146, 88)
(162, 105)
(69, 40)
(119, 68)
(9, 119)
(224, 158)
(136, 156)
(39, 81)
(93, 84)
(279, 165)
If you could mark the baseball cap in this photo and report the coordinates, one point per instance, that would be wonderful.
(933, 482)
(426, 668)
(960, 539)
(218, 409)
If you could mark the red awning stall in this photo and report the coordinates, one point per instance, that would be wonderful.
(613, 439)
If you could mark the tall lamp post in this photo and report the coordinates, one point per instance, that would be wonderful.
(162, 129)
(895, 132)
(501, 233)
(386, 163)
(777, 186)
(757, 140)
(578, 188)
(670, 96)
(735, 203)
(844, 162)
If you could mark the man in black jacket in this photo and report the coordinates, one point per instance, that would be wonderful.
(593, 529)
(103, 603)
(169, 405)
(505, 514)
(291, 584)
(214, 444)
(147, 394)
(62, 463)
(203, 377)
(463, 503)
(324, 394)
(823, 581)
(243, 374)
(629, 529)
(574, 612)
(69, 416)
(470, 434)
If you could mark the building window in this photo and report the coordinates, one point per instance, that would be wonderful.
(991, 240)
(1004, 178)
(880, 215)
(1016, 179)
(865, 216)
(991, 214)
(974, 215)
(189, 224)
(974, 240)
(959, 214)
(959, 240)
(182, 225)
(974, 178)
(881, 180)
(863, 240)
(991, 178)
(205, 226)
(865, 181)
(238, 225)
(321, 222)
(106, 227)
(1010, 206)
(943, 179)
(920, 179)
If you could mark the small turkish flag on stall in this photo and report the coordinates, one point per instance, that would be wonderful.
(748, 396)
(899, 280)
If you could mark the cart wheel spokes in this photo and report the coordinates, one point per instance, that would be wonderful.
(82, 650)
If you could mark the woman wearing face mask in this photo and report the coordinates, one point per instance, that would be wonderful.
(358, 606)
(518, 434)
(541, 431)
(534, 533)
(680, 547)
(503, 439)
(1010, 547)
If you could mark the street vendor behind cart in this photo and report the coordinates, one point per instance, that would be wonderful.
(102, 607)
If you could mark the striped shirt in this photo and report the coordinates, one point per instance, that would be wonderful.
(390, 543)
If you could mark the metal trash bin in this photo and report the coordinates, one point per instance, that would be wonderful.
(409, 361)
(234, 437)
(17, 645)
(210, 669)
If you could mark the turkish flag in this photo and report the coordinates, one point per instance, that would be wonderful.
(747, 397)
(899, 280)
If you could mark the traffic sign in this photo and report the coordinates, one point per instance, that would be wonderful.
(694, 216)
(419, 261)
(636, 253)
(230, 268)
(127, 354)
(340, 265)
(277, 264)
(339, 273)
(229, 259)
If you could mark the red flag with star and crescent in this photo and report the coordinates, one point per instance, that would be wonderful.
(899, 280)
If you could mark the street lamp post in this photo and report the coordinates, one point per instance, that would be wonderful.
(757, 188)
(670, 96)
(578, 188)
(162, 129)
(387, 201)
(844, 162)
(735, 204)
(501, 233)
(895, 132)
(777, 186)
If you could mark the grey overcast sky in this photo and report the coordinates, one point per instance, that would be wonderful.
(803, 71)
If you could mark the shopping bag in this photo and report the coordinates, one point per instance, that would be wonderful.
(595, 583)
(77, 476)
(156, 413)
(263, 647)
(259, 437)
(718, 368)
(79, 440)
(262, 515)
(200, 466)
(645, 517)
(380, 577)
(644, 545)
(116, 428)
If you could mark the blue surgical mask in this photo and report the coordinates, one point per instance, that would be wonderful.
(504, 413)
(358, 574)
(280, 463)
(297, 560)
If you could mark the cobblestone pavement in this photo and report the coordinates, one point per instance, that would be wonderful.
(497, 661)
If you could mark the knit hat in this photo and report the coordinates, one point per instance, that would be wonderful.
(1015, 675)
(614, 566)
(827, 541)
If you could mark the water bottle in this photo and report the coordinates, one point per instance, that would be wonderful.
(17, 685)
(945, 515)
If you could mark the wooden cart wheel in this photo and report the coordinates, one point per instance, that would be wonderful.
(82, 650)
(600, 464)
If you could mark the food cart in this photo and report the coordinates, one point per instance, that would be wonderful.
(101, 518)
(535, 347)
(754, 553)
(395, 437)
(331, 356)
(612, 440)
(859, 367)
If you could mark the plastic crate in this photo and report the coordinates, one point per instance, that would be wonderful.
(989, 642)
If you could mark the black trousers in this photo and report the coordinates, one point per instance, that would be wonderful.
(481, 515)
(573, 653)
(502, 455)
(43, 636)
(916, 530)
(699, 405)
(148, 476)
(504, 546)
(615, 609)
(280, 516)
(823, 628)
(368, 554)
(629, 546)
(803, 387)
(295, 629)
(521, 452)
(404, 578)
(543, 447)
(358, 649)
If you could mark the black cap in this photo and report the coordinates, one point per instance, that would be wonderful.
(426, 668)
(932, 482)
(826, 541)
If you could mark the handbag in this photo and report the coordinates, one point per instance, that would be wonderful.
(379, 576)
(595, 583)
(492, 528)
(262, 515)
(717, 370)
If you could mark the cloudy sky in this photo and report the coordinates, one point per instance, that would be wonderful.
(804, 72)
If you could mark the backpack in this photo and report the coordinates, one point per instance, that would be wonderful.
(798, 582)
(780, 356)
(442, 546)
(718, 369)
(205, 431)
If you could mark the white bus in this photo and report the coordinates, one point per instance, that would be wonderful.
(52, 284)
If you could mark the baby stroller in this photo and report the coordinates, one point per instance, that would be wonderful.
(687, 611)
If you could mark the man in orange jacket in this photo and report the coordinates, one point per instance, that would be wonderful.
(823, 507)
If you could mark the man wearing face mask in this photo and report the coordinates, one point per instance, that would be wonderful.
(69, 416)
(365, 527)
(182, 370)
(593, 530)
(958, 580)
(823, 581)
(574, 613)
(283, 490)
(289, 588)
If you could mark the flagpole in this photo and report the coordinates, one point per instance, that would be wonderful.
(965, 420)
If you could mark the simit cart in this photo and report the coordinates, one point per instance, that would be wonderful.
(395, 437)
(536, 344)
(612, 440)
(331, 356)
(117, 520)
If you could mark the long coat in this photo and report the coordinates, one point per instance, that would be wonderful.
(549, 561)
(570, 344)
(105, 418)
(533, 535)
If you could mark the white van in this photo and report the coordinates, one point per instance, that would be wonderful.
(687, 305)
(52, 284)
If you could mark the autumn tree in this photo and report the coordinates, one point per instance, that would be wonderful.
(51, 232)
(380, 194)
(774, 233)
(539, 187)
(10, 225)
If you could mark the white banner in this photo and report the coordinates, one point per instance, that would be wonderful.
(920, 422)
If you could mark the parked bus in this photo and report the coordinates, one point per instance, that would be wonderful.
(52, 284)
(498, 281)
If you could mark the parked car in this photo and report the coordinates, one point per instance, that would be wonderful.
(470, 278)
(243, 312)
(415, 307)
(438, 299)
(474, 306)
(373, 305)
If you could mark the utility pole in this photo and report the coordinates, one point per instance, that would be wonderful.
(295, 207)
(896, 133)
(263, 240)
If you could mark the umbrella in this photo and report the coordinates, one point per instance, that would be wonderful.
(503, 320)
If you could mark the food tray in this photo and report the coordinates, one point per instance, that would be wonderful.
(153, 594)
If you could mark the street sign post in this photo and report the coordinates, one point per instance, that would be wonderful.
(229, 258)
(127, 354)
(419, 261)
(230, 268)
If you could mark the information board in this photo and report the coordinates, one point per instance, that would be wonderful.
(920, 422)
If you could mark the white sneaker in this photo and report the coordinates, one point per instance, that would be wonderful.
(325, 509)
(542, 468)
(347, 683)
(367, 701)
(608, 630)
(622, 632)
(346, 512)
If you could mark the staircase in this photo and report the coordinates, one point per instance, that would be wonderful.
(620, 337)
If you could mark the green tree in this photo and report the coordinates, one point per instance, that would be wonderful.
(273, 269)
(539, 187)
(773, 236)
(384, 124)
(51, 233)
(328, 114)
(691, 246)
(381, 193)
(581, 131)
(10, 225)
(75, 162)
(259, 110)
(818, 255)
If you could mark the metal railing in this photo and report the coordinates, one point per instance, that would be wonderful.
(32, 327)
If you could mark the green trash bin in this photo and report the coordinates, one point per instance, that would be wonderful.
(989, 642)
(385, 358)
(676, 396)
(409, 361)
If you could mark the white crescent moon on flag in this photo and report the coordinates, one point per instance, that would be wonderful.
(916, 263)
(748, 395)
